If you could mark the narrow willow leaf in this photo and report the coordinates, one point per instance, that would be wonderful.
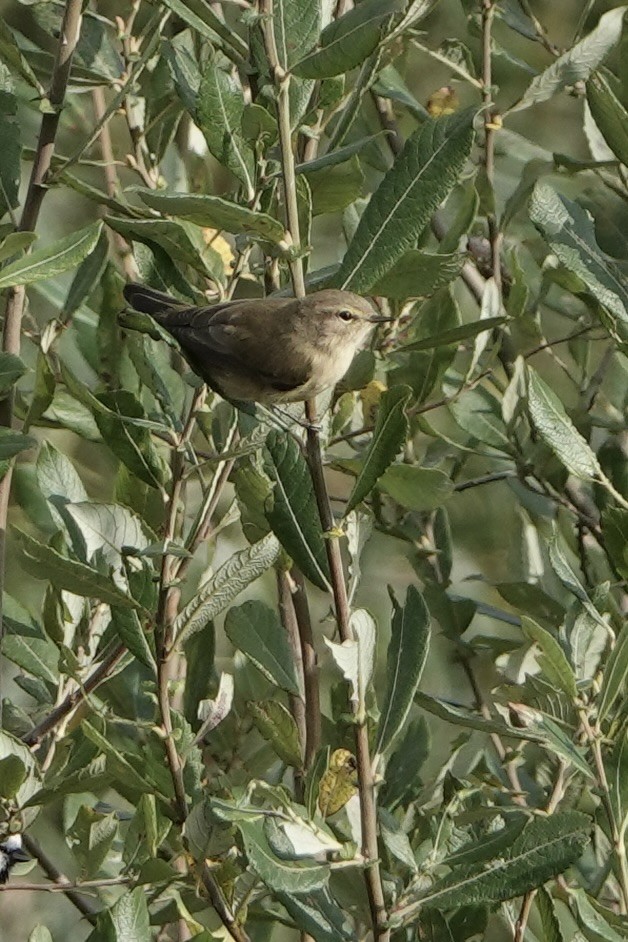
(121, 422)
(109, 530)
(577, 64)
(460, 716)
(215, 212)
(553, 660)
(558, 431)
(569, 579)
(479, 413)
(549, 920)
(276, 725)
(616, 765)
(421, 177)
(592, 920)
(388, 439)
(200, 15)
(255, 629)
(44, 562)
(418, 274)
(416, 488)
(130, 918)
(542, 727)
(48, 262)
(15, 242)
(221, 588)
(220, 107)
(319, 915)
(615, 674)
(569, 231)
(294, 514)
(284, 876)
(407, 653)
(128, 626)
(11, 54)
(547, 847)
(37, 656)
(116, 758)
(165, 234)
(609, 113)
(615, 524)
(12, 443)
(11, 368)
(455, 335)
(348, 40)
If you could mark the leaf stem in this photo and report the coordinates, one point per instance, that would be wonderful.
(490, 128)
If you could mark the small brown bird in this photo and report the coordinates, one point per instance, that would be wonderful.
(269, 350)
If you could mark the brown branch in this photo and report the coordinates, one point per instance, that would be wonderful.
(366, 787)
(490, 128)
(84, 905)
(16, 297)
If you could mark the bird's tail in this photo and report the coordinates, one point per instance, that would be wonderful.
(148, 301)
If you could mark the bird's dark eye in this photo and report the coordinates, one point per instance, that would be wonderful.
(345, 315)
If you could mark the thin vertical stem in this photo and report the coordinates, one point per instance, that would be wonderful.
(16, 297)
(490, 129)
(366, 786)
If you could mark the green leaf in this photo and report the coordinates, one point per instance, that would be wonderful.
(51, 261)
(615, 674)
(44, 562)
(255, 629)
(126, 623)
(12, 443)
(87, 277)
(349, 40)
(356, 658)
(215, 212)
(276, 725)
(458, 716)
(592, 920)
(130, 441)
(293, 515)
(558, 431)
(12, 776)
(220, 107)
(553, 660)
(335, 188)
(388, 439)
(130, 918)
(478, 412)
(221, 588)
(615, 526)
(416, 488)
(577, 64)
(419, 274)
(549, 920)
(11, 368)
(163, 234)
(608, 113)
(10, 157)
(318, 914)
(546, 848)
(421, 177)
(36, 656)
(285, 876)
(15, 243)
(569, 231)
(407, 653)
(200, 15)
(109, 530)
(11, 54)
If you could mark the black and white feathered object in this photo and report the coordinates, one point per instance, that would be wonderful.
(11, 852)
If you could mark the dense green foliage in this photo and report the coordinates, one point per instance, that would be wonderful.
(198, 661)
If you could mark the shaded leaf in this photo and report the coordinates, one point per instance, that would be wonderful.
(407, 653)
(276, 725)
(570, 234)
(280, 875)
(416, 488)
(553, 660)
(293, 515)
(419, 274)
(388, 438)
(255, 629)
(609, 113)
(615, 674)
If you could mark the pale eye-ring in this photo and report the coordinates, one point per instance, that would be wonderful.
(345, 315)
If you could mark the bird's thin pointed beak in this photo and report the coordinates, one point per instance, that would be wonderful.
(380, 319)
